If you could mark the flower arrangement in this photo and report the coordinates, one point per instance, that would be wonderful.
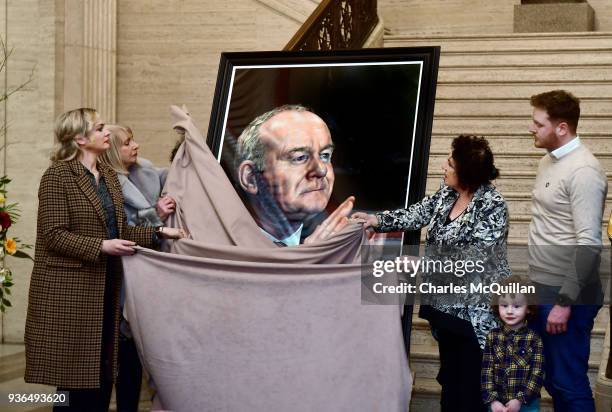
(9, 214)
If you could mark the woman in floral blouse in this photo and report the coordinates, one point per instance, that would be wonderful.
(467, 219)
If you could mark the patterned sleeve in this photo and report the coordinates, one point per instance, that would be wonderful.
(492, 226)
(415, 217)
(486, 373)
(535, 377)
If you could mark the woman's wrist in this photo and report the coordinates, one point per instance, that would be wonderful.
(164, 232)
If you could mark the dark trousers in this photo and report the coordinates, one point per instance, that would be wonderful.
(87, 400)
(97, 400)
(460, 362)
(93, 400)
(567, 359)
(127, 387)
(567, 354)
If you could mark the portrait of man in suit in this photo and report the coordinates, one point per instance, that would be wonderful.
(299, 137)
(285, 169)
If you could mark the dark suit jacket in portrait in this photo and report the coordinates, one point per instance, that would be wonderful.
(63, 334)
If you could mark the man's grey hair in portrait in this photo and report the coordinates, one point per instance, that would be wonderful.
(250, 146)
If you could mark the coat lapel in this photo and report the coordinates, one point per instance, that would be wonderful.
(84, 183)
(115, 193)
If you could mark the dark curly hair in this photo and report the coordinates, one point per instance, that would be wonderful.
(473, 161)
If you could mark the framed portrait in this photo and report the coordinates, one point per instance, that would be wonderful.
(377, 107)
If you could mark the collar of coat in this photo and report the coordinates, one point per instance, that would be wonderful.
(84, 183)
(79, 169)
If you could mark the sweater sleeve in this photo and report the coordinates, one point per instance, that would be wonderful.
(587, 192)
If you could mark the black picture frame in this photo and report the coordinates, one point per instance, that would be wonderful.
(380, 118)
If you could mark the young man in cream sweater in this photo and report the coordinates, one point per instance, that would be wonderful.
(564, 247)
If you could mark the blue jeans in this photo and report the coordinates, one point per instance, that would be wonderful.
(533, 406)
(567, 358)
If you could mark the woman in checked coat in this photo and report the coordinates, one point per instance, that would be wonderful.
(72, 324)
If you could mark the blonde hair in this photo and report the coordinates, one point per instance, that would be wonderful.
(112, 156)
(68, 126)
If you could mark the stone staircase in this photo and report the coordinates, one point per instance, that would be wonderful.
(424, 363)
(484, 85)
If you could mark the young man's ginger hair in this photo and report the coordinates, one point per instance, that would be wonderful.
(561, 106)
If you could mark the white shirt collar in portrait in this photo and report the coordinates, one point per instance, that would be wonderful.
(291, 240)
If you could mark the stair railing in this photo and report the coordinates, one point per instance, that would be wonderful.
(343, 24)
(336, 24)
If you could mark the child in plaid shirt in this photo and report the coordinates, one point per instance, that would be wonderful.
(513, 361)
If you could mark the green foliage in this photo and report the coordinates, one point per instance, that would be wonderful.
(9, 213)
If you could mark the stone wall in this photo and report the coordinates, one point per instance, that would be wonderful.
(29, 29)
(466, 16)
(169, 53)
(603, 14)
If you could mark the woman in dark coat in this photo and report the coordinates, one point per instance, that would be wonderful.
(72, 325)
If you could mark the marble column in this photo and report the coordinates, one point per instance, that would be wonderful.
(87, 48)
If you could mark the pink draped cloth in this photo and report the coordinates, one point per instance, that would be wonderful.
(228, 321)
